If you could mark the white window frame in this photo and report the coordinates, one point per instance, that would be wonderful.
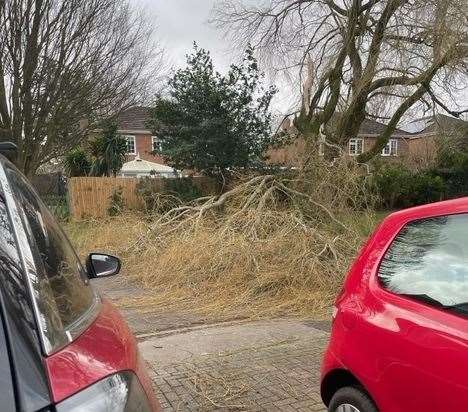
(353, 146)
(155, 140)
(129, 138)
(391, 148)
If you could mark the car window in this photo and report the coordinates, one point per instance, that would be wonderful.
(428, 261)
(11, 273)
(18, 319)
(7, 394)
(65, 296)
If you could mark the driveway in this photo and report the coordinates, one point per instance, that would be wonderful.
(239, 365)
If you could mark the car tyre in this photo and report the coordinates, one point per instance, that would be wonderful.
(351, 399)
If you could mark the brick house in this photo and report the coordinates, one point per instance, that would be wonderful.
(429, 134)
(396, 149)
(140, 141)
(141, 145)
(416, 146)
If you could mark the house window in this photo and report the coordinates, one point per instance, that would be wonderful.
(131, 147)
(391, 149)
(156, 144)
(355, 147)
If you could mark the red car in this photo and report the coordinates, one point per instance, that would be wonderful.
(62, 347)
(399, 339)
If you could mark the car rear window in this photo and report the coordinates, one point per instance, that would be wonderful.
(65, 296)
(428, 261)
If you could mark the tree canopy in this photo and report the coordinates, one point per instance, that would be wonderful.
(362, 58)
(211, 122)
(64, 65)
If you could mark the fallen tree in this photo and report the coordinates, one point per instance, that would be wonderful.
(273, 244)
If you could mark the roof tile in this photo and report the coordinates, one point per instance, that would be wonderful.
(134, 118)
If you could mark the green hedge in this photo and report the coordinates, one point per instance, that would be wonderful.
(398, 187)
(452, 167)
(174, 192)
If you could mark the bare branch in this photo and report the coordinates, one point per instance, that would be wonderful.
(65, 61)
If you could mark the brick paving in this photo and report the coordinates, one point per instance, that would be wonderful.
(251, 366)
(281, 376)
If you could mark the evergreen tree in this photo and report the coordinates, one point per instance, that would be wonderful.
(214, 123)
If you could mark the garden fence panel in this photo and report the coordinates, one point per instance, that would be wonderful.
(90, 197)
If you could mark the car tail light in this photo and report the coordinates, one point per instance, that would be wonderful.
(121, 392)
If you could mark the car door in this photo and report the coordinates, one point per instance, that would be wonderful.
(64, 302)
(21, 361)
(7, 392)
(420, 311)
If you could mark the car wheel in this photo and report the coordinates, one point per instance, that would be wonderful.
(351, 399)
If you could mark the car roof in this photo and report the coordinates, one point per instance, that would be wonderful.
(446, 207)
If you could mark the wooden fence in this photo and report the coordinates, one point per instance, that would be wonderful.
(89, 197)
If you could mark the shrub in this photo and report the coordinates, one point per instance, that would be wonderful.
(452, 167)
(426, 188)
(183, 188)
(116, 205)
(397, 186)
(77, 163)
(108, 151)
(162, 195)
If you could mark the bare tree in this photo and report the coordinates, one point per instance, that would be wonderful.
(64, 64)
(370, 57)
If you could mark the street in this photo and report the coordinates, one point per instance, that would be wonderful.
(262, 365)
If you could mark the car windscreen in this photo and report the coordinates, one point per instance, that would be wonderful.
(65, 299)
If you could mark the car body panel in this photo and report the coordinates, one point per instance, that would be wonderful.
(26, 361)
(7, 392)
(105, 348)
(408, 355)
(41, 375)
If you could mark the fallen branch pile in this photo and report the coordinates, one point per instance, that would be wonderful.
(276, 243)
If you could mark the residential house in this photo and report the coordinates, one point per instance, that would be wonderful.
(142, 161)
(415, 144)
(396, 149)
(430, 133)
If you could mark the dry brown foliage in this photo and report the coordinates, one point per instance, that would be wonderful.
(273, 245)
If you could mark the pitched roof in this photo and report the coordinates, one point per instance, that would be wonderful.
(139, 165)
(445, 124)
(368, 127)
(134, 118)
(371, 127)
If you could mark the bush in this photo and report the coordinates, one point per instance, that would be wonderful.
(183, 188)
(77, 163)
(398, 186)
(172, 193)
(452, 167)
(116, 205)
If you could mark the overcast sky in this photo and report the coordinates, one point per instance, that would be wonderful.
(178, 23)
(181, 22)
